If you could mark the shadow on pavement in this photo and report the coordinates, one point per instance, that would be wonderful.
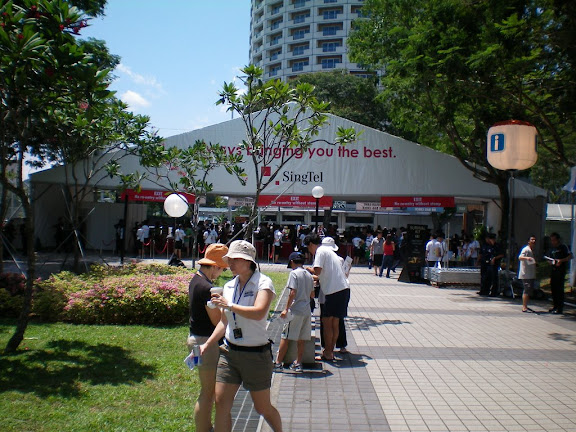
(350, 360)
(363, 323)
(563, 337)
(64, 367)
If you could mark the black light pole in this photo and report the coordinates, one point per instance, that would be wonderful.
(317, 192)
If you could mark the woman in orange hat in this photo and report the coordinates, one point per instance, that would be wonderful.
(203, 320)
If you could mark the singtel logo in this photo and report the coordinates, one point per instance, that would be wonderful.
(304, 178)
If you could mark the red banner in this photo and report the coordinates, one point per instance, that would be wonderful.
(153, 195)
(300, 201)
(411, 201)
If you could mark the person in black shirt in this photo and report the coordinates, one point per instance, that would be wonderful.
(203, 320)
(490, 256)
(560, 256)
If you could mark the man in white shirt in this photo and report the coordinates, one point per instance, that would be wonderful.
(527, 271)
(473, 248)
(210, 236)
(335, 287)
(179, 236)
(432, 252)
(277, 244)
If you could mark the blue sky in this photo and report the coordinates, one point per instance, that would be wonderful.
(175, 57)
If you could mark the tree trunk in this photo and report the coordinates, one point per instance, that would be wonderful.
(3, 210)
(24, 318)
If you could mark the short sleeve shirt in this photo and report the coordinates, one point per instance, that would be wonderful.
(332, 278)
(558, 253)
(300, 280)
(198, 296)
(253, 331)
(527, 270)
(378, 246)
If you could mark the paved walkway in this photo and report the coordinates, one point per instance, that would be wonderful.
(430, 359)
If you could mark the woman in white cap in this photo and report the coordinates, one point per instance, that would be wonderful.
(203, 321)
(246, 356)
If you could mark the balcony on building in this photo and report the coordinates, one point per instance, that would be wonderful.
(275, 39)
(300, 32)
(331, 62)
(300, 17)
(300, 65)
(298, 50)
(331, 13)
(276, 8)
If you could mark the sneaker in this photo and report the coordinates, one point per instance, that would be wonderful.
(296, 367)
(278, 367)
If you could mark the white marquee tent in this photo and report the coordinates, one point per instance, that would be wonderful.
(377, 165)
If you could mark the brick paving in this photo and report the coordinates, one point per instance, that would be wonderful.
(430, 359)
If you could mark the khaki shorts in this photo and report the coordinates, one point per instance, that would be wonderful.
(210, 357)
(251, 369)
(299, 328)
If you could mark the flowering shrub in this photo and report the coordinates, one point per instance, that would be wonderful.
(133, 294)
(12, 287)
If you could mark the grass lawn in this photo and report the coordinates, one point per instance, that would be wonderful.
(99, 378)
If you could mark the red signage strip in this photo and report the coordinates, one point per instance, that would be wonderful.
(153, 195)
(300, 201)
(411, 201)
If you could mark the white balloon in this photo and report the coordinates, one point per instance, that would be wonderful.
(176, 205)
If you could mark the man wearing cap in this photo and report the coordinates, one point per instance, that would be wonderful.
(333, 284)
(203, 321)
(246, 356)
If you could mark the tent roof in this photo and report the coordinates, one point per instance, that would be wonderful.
(378, 164)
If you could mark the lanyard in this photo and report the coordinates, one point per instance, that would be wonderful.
(234, 300)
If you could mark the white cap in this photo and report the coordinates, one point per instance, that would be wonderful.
(329, 241)
(241, 249)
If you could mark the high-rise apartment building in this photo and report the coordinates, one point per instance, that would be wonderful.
(291, 37)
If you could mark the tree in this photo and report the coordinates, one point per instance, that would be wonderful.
(350, 96)
(279, 122)
(187, 170)
(55, 103)
(453, 68)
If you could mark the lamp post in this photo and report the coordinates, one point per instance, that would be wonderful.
(317, 192)
(512, 146)
(175, 205)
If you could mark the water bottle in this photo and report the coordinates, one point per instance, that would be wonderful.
(196, 354)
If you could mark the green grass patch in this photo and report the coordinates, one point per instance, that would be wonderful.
(69, 377)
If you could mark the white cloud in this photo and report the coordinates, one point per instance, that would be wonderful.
(147, 81)
(134, 100)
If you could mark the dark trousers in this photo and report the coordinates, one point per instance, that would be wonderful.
(387, 263)
(341, 342)
(489, 280)
(557, 286)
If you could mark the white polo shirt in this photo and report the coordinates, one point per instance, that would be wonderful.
(253, 331)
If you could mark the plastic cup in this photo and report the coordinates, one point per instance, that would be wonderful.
(216, 290)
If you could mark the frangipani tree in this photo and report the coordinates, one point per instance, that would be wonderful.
(279, 121)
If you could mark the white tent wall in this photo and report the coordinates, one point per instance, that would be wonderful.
(377, 165)
(49, 205)
(100, 230)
